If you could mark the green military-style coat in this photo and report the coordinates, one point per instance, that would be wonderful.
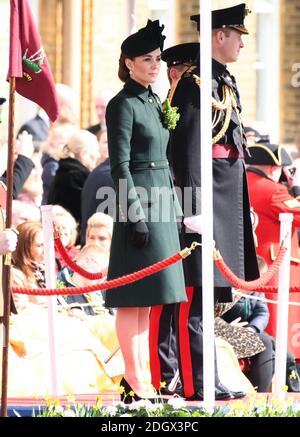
(137, 142)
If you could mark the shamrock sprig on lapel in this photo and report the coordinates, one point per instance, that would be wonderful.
(170, 115)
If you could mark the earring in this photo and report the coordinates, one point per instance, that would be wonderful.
(130, 72)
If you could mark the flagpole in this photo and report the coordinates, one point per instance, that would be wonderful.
(7, 266)
(207, 200)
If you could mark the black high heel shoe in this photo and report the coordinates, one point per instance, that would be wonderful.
(125, 396)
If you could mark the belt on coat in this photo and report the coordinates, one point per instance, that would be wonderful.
(226, 151)
(149, 165)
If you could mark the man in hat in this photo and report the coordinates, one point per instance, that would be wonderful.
(270, 197)
(267, 163)
(180, 59)
(232, 224)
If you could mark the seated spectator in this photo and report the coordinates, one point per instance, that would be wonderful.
(98, 193)
(67, 104)
(253, 314)
(93, 259)
(86, 354)
(67, 228)
(28, 268)
(101, 101)
(247, 343)
(99, 230)
(59, 134)
(79, 158)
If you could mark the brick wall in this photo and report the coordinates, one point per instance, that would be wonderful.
(290, 83)
(101, 49)
(110, 29)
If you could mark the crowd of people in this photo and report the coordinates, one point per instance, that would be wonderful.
(112, 187)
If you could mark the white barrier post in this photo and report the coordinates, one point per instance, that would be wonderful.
(49, 256)
(131, 19)
(207, 212)
(283, 306)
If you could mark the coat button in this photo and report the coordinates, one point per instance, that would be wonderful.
(152, 164)
(150, 100)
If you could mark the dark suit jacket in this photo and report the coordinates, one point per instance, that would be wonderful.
(91, 197)
(22, 169)
(94, 129)
(67, 186)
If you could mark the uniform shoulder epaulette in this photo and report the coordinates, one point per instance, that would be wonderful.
(292, 203)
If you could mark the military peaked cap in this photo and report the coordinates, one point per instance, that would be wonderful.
(268, 154)
(187, 53)
(144, 40)
(229, 17)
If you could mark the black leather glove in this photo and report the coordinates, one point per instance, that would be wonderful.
(139, 234)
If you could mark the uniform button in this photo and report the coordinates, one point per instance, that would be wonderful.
(152, 164)
(150, 100)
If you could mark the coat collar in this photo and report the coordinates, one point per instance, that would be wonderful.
(218, 69)
(137, 89)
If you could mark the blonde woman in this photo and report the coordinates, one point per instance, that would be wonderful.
(67, 227)
(99, 230)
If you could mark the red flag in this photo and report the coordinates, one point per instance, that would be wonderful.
(27, 60)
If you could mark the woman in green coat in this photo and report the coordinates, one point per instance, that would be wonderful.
(145, 228)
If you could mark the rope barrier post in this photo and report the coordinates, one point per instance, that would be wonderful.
(283, 306)
(207, 212)
(50, 273)
(131, 19)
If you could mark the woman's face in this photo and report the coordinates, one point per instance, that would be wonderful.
(99, 236)
(37, 248)
(145, 69)
(90, 155)
(64, 228)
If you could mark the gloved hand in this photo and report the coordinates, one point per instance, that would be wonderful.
(194, 223)
(179, 226)
(292, 176)
(139, 234)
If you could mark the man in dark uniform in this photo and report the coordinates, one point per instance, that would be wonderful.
(163, 350)
(232, 225)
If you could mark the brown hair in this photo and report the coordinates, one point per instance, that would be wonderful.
(123, 72)
(22, 256)
(225, 30)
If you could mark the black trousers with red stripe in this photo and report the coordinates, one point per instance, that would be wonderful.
(162, 344)
(176, 341)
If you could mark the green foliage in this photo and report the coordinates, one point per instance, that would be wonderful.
(170, 115)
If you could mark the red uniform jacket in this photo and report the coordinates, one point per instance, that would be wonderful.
(269, 199)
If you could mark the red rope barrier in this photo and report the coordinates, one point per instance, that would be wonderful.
(249, 285)
(274, 289)
(114, 283)
(75, 267)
